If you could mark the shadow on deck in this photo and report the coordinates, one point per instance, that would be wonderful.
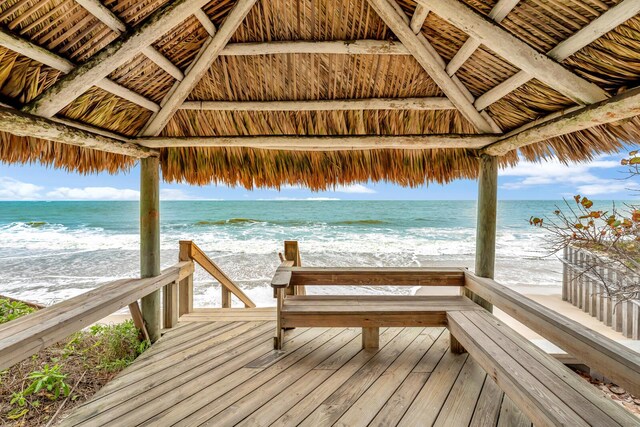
(226, 373)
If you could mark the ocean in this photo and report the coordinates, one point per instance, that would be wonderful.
(51, 251)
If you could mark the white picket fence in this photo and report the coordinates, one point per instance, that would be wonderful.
(582, 286)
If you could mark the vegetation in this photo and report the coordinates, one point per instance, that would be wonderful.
(612, 236)
(39, 389)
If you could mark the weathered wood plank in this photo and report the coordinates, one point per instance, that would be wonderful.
(22, 124)
(605, 355)
(385, 276)
(111, 57)
(617, 108)
(516, 51)
(427, 103)
(324, 143)
(429, 59)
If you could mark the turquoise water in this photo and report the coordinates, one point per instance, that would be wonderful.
(53, 250)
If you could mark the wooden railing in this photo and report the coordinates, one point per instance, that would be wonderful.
(189, 251)
(29, 334)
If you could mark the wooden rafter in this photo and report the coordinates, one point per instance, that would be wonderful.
(113, 56)
(325, 143)
(23, 124)
(37, 53)
(104, 15)
(606, 22)
(418, 18)
(427, 103)
(619, 107)
(207, 54)
(337, 47)
(429, 59)
(498, 13)
(516, 51)
(205, 21)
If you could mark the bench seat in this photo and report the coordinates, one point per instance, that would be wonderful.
(370, 311)
(544, 389)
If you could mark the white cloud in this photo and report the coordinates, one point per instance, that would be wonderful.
(315, 199)
(93, 193)
(608, 186)
(354, 189)
(175, 194)
(12, 189)
(554, 172)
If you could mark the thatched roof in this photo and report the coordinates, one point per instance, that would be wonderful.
(42, 40)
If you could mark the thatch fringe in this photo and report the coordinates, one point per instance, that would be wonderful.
(253, 168)
(587, 144)
(15, 149)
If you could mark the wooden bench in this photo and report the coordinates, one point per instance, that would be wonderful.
(368, 312)
(544, 389)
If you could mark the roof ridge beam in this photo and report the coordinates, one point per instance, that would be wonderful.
(606, 22)
(111, 57)
(422, 103)
(337, 47)
(108, 18)
(619, 107)
(498, 13)
(23, 124)
(46, 57)
(517, 52)
(198, 68)
(430, 60)
(325, 143)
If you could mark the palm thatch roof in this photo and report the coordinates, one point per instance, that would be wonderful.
(203, 84)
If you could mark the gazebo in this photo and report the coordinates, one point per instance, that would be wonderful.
(318, 93)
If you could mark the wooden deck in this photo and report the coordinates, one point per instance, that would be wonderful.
(224, 373)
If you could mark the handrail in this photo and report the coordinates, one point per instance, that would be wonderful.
(29, 334)
(196, 254)
(605, 355)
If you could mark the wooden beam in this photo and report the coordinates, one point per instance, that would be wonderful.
(198, 68)
(46, 57)
(606, 22)
(332, 47)
(24, 124)
(150, 241)
(108, 18)
(429, 59)
(619, 107)
(205, 22)
(516, 51)
(498, 13)
(113, 56)
(427, 103)
(418, 18)
(325, 143)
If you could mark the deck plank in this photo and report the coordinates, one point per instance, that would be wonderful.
(227, 373)
(362, 412)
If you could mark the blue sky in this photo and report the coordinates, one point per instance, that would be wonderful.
(603, 178)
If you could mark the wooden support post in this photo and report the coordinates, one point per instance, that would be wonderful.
(485, 230)
(226, 297)
(278, 340)
(150, 241)
(136, 315)
(370, 337)
(185, 292)
(170, 305)
(292, 253)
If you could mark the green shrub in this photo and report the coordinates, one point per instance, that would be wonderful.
(10, 310)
